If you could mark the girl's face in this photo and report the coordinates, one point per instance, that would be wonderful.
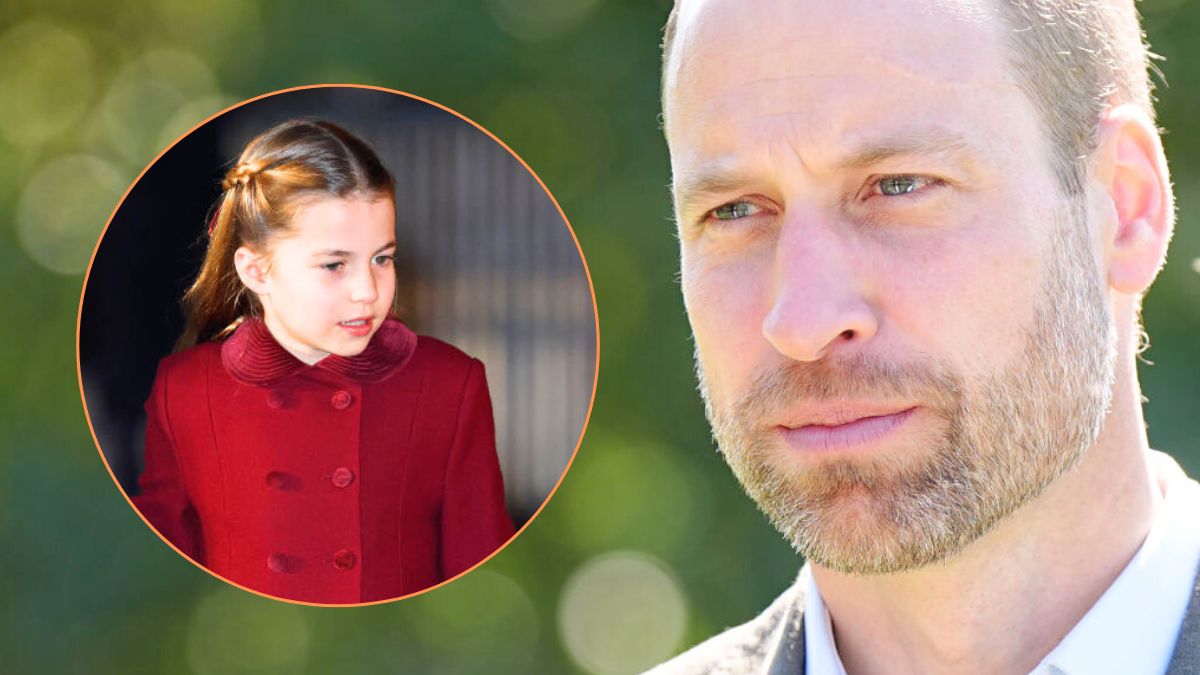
(328, 284)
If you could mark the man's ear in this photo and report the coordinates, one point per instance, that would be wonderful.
(1132, 170)
(251, 269)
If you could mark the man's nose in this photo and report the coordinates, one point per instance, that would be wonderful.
(818, 306)
(364, 288)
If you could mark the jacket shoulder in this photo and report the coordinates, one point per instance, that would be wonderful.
(443, 356)
(772, 642)
(192, 355)
(188, 365)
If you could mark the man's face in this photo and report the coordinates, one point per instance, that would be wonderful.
(900, 328)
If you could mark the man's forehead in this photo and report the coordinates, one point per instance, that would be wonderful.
(823, 77)
(740, 40)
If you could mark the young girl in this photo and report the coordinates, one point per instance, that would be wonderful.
(302, 441)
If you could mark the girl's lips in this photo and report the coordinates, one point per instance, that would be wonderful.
(859, 432)
(358, 330)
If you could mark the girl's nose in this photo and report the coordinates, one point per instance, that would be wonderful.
(364, 289)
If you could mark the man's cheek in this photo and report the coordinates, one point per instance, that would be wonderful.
(963, 296)
(726, 314)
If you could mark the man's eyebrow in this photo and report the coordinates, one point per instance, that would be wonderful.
(909, 142)
(698, 187)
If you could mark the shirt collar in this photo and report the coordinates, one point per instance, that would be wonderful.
(1133, 627)
(1130, 630)
(252, 355)
(821, 654)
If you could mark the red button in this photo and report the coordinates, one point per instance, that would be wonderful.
(344, 559)
(276, 400)
(342, 476)
(285, 482)
(281, 562)
(341, 400)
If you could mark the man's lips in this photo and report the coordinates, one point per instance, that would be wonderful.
(840, 426)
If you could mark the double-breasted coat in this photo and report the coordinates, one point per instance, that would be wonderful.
(355, 479)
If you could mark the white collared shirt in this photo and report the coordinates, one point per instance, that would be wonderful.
(1132, 628)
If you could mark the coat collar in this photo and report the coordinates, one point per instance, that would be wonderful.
(252, 355)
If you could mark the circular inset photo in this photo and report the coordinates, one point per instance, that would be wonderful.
(337, 345)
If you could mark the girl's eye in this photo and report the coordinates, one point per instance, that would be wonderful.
(734, 211)
(333, 266)
(384, 259)
(898, 186)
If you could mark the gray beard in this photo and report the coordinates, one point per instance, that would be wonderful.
(1003, 437)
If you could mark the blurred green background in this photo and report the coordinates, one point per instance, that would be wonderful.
(647, 547)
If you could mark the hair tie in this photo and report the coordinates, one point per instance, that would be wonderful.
(241, 174)
(212, 222)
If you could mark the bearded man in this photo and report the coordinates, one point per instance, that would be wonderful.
(914, 241)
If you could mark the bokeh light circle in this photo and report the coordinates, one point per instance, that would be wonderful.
(626, 480)
(232, 28)
(621, 613)
(483, 619)
(189, 115)
(147, 95)
(63, 208)
(235, 632)
(47, 76)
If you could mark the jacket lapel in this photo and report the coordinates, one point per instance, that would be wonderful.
(1186, 660)
(784, 653)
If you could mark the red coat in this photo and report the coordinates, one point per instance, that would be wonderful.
(352, 480)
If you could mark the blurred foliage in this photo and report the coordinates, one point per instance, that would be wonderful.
(91, 92)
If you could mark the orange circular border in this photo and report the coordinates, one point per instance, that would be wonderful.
(595, 317)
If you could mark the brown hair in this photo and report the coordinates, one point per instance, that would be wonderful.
(277, 172)
(1073, 59)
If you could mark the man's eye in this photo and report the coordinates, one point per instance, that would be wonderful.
(734, 211)
(895, 186)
